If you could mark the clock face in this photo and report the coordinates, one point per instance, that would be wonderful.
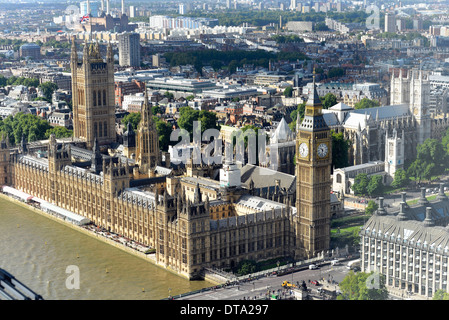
(303, 150)
(322, 150)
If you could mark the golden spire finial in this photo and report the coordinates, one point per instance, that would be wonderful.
(314, 73)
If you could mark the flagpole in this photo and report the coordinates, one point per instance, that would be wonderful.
(89, 10)
(90, 21)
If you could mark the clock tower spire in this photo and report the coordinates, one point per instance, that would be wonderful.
(313, 165)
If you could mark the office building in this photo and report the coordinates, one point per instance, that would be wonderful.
(129, 49)
(390, 22)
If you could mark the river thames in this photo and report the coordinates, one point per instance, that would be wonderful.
(38, 251)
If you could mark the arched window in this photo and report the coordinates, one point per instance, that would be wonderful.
(338, 178)
(100, 129)
(95, 130)
(99, 97)
(104, 97)
(95, 98)
(105, 127)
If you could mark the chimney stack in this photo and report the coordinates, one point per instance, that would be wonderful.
(402, 216)
(423, 199)
(381, 210)
(441, 195)
(428, 221)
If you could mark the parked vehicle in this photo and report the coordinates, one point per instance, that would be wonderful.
(353, 264)
(313, 267)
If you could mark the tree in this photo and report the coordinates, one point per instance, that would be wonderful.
(47, 89)
(287, 38)
(134, 118)
(336, 72)
(59, 132)
(400, 179)
(444, 140)
(3, 80)
(15, 81)
(329, 100)
(366, 103)
(371, 207)
(321, 26)
(246, 267)
(288, 92)
(164, 130)
(375, 185)
(30, 82)
(29, 126)
(363, 286)
(187, 116)
(155, 110)
(168, 95)
(440, 294)
(431, 160)
(300, 110)
(340, 147)
(360, 184)
(208, 120)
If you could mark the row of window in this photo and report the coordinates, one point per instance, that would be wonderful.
(398, 239)
(96, 98)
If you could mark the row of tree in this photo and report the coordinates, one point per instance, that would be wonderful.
(15, 81)
(229, 60)
(365, 185)
(261, 18)
(30, 127)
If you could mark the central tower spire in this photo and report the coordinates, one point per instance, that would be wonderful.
(147, 141)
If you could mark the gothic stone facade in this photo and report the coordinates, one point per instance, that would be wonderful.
(408, 113)
(185, 235)
(93, 95)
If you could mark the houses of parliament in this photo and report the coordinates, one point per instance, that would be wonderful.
(193, 222)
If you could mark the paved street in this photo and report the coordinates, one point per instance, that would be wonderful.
(259, 288)
(391, 201)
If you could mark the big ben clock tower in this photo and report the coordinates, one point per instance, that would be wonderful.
(313, 165)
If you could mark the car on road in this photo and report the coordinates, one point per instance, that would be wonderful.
(335, 262)
(353, 264)
(315, 282)
(288, 284)
(313, 267)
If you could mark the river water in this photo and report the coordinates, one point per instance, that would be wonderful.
(47, 256)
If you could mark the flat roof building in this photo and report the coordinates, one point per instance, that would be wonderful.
(129, 49)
